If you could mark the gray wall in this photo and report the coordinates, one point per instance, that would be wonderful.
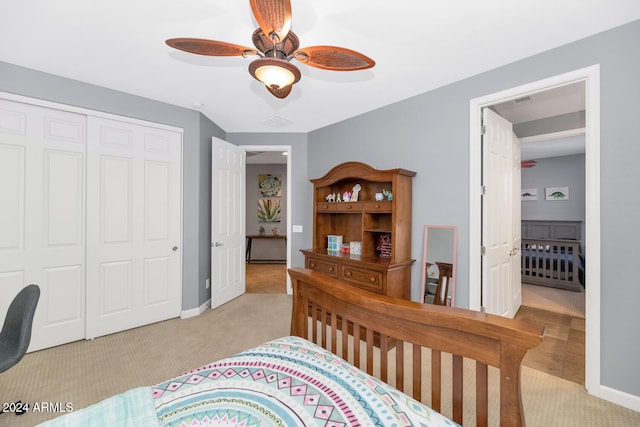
(430, 135)
(266, 249)
(198, 131)
(565, 171)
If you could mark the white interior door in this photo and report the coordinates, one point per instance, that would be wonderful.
(516, 227)
(42, 205)
(133, 225)
(500, 272)
(228, 275)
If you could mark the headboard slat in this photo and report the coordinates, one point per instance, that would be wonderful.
(482, 390)
(457, 375)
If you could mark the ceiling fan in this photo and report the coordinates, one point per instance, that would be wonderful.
(276, 46)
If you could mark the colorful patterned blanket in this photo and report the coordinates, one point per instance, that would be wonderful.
(286, 382)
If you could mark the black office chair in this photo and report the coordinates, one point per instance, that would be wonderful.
(16, 331)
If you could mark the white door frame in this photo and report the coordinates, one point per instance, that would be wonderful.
(282, 149)
(591, 77)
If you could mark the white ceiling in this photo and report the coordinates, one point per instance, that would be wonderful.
(418, 45)
(541, 105)
(554, 102)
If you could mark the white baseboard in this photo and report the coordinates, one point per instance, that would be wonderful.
(185, 314)
(618, 397)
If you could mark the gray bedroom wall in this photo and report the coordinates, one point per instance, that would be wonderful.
(564, 171)
(430, 135)
(301, 209)
(198, 131)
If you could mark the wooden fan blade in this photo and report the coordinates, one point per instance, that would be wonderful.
(210, 47)
(333, 58)
(273, 16)
(282, 92)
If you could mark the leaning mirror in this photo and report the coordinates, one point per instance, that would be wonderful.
(439, 264)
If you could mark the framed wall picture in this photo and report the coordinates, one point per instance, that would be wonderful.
(557, 193)
(529, 194)
(269, 185)
(269, 210)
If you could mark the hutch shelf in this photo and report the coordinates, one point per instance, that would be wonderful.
(367, 221)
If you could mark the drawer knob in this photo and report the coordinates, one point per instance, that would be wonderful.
(373, 280)
(330, 268)
(377, 205)
(348, 273)
(312, 265)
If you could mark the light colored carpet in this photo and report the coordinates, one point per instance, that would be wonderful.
(86, 372)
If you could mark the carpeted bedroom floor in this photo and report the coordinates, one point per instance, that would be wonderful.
(86, 372)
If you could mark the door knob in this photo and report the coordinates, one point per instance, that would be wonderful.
(175, 248)
(218, 244)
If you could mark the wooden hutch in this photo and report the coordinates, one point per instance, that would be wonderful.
(365, 221)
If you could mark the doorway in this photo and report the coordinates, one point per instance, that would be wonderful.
(590, 76)
(268, 256)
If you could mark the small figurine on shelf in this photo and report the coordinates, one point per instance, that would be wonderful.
(379, 197)
(356, 190)
(338, 198)
(388, 194)
(275, 231)
(346, 196)
(261, 230)
(331, 197)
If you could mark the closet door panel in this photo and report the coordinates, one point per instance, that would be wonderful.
(133, 241)
(116, 208)
(65, 297)
(42, 156)
(115, 286)
(64, 199)
(12, 193)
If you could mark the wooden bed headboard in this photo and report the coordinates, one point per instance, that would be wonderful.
(326, 312)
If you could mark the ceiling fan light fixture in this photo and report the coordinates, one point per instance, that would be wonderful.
(274, 73)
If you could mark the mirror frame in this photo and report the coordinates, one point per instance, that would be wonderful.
(452, 286)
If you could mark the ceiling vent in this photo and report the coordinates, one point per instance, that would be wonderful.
(523, 99)
(276, 122)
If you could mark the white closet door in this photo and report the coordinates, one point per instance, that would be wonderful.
(42, 157)
(133, 225)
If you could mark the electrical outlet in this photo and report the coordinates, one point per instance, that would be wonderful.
(207, 283)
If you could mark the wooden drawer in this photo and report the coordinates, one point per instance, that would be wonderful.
(370, 280)
(382, 206)
(349, 207)
(325, 207)
(328, 268)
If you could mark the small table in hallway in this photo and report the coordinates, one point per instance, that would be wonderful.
(250, 238)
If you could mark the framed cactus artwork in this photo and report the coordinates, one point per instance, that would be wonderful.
(269, 185)
(269, 210)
